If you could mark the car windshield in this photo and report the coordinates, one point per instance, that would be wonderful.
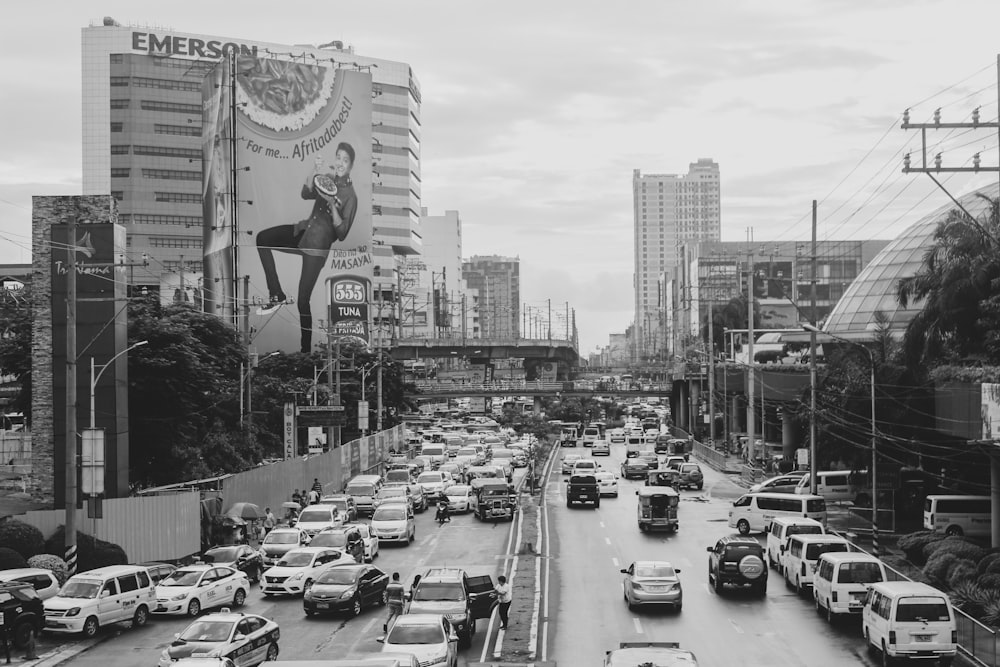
(922, 611)
(389, 514)
(182, 578)
(466, 451)
(222, 555)
(296, 559)
(659, 571)
(329, 540)
(859, 573)
(439, 591)
(80, 588)
(337, 575)
(415, 634)
(814, 551)
(429, 477)
(314, 516)
(208, 631)
(281, 538)
(360, 490)
(392, 492)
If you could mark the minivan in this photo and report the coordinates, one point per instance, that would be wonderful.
(754, 511)
(907, 619)
(958, 515)
(633, 443)
(435, 454)
(834, 485)
(842, 580)
(107, 595)
(801, 554)
(315, 518)
(781, 529)
(364, 488)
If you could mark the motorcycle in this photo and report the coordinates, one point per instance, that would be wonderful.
(443, 514)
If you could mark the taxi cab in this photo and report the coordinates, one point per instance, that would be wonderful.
(661, 654)
(188, 590)
(246, 639)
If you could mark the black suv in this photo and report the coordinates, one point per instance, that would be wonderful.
(461, 598)
(739, 560)
(21, 609)
(583, 489)
(239, 557)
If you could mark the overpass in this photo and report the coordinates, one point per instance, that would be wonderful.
(484, 350)
(445, 389)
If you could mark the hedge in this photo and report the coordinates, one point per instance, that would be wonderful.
(938, 565)
(91, 553)
(23, 538)
(913, 545)
(961, 571)
(955, 545)
(10, 559)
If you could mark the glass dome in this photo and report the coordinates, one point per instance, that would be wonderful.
(875, 288)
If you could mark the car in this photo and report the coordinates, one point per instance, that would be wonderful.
(395, 493)
(691, 476)
(568, 462)
(394, 523)
(280, 541)
(661, 654)
(246, 639)
(737, 560)
(414, 491)
(203, 662)
(44, 582)
(158, 571)
(651, 460)
(433, 483)
(345, 504)
(346, 538)
(462, 598)
(674, 462)
(779, 484)
(459, 497)
(430, 637)
(649, 582)
(600, 448)
(585, 467)
(608, 483)
(368, 539)
(453, 470)
(21, 612)
(634, 468)
(315, 518)
(239, 557)
(348, 588)
(297, 569)
(190, 589)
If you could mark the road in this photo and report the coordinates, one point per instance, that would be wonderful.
(588, 616)
(478, 547)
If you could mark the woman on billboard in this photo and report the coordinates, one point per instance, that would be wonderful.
(335, 205)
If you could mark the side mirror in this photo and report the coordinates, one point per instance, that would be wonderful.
(781, 548)
(637, 492)
(239, 637)
(677, 570)
(709, 549)
(624, 571)
(105, 594)
(452, 637)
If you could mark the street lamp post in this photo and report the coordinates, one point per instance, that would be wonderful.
(95, 378)
(874, 467)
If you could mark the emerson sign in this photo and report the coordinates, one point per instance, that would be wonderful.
(178, 45)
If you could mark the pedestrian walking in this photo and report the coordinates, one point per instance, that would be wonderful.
(313, 496)
(269, 521)
(317, 487)
(394, 594)
(503, 600)
(413, 587)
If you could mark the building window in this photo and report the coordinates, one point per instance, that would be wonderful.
(165, 84)
(172, 174)
(176, 242)
(116, 59)
(117, 127)
(179, 197)
(168, 151)
(186, 266)
(119, 104)
(119, 149)
(118, 194)
(155, 219)
(120, 172)
(180, 130)
(170, 107)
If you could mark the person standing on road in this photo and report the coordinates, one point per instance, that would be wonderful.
(503, 600)
(269, 520)
(394, 593)
(313, 496)
(413, 587)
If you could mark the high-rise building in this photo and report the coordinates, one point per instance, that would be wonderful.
(498, 282)
(142, 116)
(669, 211)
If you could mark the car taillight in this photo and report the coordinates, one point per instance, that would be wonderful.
(892, 636)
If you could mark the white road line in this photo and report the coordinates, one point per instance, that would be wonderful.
(607, 540)
(533, 633)
(545, 641)
(638, 625)
(498, 647)
(601, 523)
(736, 626)
(615, 561)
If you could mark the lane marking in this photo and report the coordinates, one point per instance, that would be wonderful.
(601, 523)
(736, 626)
(545, 641)
(615, 561)
(533, 632)
(607, 540)
(638, 625)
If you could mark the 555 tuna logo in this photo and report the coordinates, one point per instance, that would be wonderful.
(348, 304)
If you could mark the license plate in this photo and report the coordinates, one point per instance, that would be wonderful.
(656, 589)
(922, 638)
(322, 605)
(52, 624)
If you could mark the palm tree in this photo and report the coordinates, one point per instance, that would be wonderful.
(959, 280)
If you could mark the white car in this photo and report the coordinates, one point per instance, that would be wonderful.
(394, 523)
(369, 539)
(45, 583)
(246, 639)
(297, 569)
(779, 484)
(188, 590)
(608, 483)
(433, 482)
(459, 497)
(430, 637)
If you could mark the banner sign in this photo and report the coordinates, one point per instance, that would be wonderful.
(321, 415)
(289, 433)
(349, 296)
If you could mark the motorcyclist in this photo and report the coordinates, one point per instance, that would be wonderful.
(443, 513)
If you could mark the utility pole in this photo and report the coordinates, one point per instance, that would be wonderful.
(70, 452)
(378, 350)
(751, 440)
(813, 465)
(711, 370)
(567, 320)
(549, 325)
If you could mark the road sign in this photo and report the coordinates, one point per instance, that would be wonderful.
(321, 415)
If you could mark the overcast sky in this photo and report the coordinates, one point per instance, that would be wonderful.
(535, 114)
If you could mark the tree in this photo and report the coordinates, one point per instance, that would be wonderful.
(729, 315)
(959, 282)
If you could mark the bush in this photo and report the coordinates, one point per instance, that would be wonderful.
(90, 552)
(961, 571)
(991, 613)
(955, 545)
(10, 559)
(968, 596)
(914, 543)
(23, 538)
(53, 564)
(990, 582)
(938, 565)
(990, 564)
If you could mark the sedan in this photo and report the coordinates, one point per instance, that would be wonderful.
(297, 569)
(779, 484)
(652, 582)
(246, 639)
(568, 462)
(459, 497)
(608, 483)
(600, 448)
(430, 637)
(348, 588)
(188, 590)
(239, 557)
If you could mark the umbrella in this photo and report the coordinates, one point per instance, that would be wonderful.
(290, 506)
(245, 511)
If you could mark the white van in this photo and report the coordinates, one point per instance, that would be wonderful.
(907, 619)
(315, 518)
(435, 453)
(591, 434)
(633, 443)
(364, 488)
(100, 597)
(801, 554)
(958, 515)
(834, 485)
(781, 529)
(842, 580)
(754, 511)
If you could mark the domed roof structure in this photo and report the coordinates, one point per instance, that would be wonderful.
(875, 288)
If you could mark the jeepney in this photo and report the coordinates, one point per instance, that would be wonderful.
(493, 499)
(657, 508)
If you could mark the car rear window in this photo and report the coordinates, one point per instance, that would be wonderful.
(859, 573)
(927, 610)
(360, 490)
(814, 551)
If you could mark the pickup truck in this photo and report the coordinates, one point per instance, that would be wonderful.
(583, 489)
(463, 599)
